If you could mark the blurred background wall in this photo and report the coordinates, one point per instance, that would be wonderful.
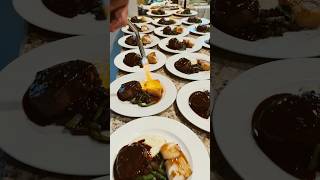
(12, 33)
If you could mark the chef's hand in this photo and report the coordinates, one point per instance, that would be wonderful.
(119, 14)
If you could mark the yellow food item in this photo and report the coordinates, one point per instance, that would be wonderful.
(153, 87)
(152, 58)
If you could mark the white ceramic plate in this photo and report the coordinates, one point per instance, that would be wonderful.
(48, 147)
(193, 30)
(291, 45)
(155, 41)
(203, 39)
(155, 22)
(131, 110)
(178, 13)
(118, 61)
(159, 31)
(167, 13)
(148, 20)
(172, 131)
(184, 107)
(125, 29)
(203, 75)
(196, 46)
(103, 178)
(204, 21)
(237, 102)
(36, 13)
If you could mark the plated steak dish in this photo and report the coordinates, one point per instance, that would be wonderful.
(194, 20)
(69, 94)
(136, 19)
(175, 44)
(166, 21)
(151, 158)
(186, 66)
(203, 28)
(141, 93)
(172, 31)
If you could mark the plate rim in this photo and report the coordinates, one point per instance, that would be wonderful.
(228, 92)
(202, 41)
(260, 54)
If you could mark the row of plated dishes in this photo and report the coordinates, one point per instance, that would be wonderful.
(162, 153)
(281, 129)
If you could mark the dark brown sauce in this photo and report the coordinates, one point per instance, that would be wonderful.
(287, 128)
(132, 161)
(200, 103)
(133, 59)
